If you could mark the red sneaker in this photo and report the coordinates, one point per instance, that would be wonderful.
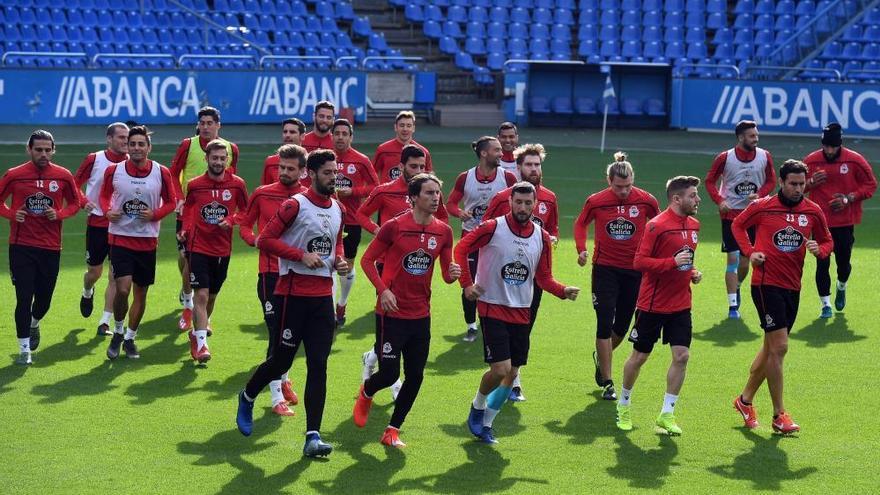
(186, 320)
(361, 408)
(204, 355)
(193, 345)
(391, 438)
(749, 414)
(340, 316)
(784, 424)
(281, 409)
(288, 393)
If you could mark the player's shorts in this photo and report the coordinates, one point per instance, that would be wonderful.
(777, 307)
(351, 240)
(97, 245)
(178, 226)
(676, 329)
(503, 340)
(139, 265)
(30, 263)
(615, 293)
(728, 242)
(398, 335)
(207, 272)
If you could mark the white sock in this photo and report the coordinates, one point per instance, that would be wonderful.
(489, 416)
(516, 382)
(130, 334)
(335, 278)
(372, 359)
(24, 345)
(105, 318)
(188, 300)
(625, 394)
(202, 338)
(841, 285)
(88, 293)
(480, 401)
(472, 326)
(345, 284)
(826, 300)
(245, 395)
(284, 377)
(669, 401)
(118, 327)
(34, 322)
(731, 300)
(275, 391)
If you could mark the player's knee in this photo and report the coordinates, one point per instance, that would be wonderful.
(639, 358)
(681, 356)
(733, 260)
(94, 272)
(500, 370)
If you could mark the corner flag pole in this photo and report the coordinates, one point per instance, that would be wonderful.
(604, 124)
(607, 95)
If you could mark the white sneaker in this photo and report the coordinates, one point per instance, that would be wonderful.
(395, 389)
(369, 360)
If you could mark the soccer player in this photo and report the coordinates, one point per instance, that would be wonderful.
(515, 253)
(213, 201)
(320, 136)
(43, 195)
(409, 244)
(386, 160)
(665, 257)
(788, 225)
(306, 236)
(838, 180)
(292, 131)
(262, 206)
(746, 174)
(529, 159)
(91, 175)
(135, 196)
(508, 136)
(190, 162)
(621, 212)
(355, 179)
(475, 187)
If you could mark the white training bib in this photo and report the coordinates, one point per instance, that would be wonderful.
(314, 231)
(96, 180)
(740, 179)
(506, 270)
(478, 194)
(132, 195)
(511, 167)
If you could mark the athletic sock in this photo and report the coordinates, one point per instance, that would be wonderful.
(489, 416)
(497, 398)
(118, 327)
(841, 285)
(105, 318)
(625, 394)
(516, 382)
(34, 322)
(88, 293)
(24, 345)
(201, 338)
(284, 377)
(732, 300)
(345, 284)
(130, 334)
(188, 300)
(826, 300)
(275, 391)
(472, 326)
(669, 401)
(480, 401)
(372, 359)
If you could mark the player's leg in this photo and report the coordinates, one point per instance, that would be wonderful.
(265, 290)
(496, 353)
(415, 356)
(823, 286)
(606, 291)
(516, 394)
(519, 339)
(23, 268)
(186, 291)
(644, 335)
(844, 239)
(123, 269)
(317, 340)
(470, 307)
(198, 337)
(109, 297)
(677, 332)
(350, 245)
(44, 289)
(97, 250)
(731, 272)
(371, 358)
(392, 338)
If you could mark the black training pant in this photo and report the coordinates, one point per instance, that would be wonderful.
(843, 244)
(34, 272)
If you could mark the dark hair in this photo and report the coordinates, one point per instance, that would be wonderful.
(411, 151)
(792, 166)
(744, 125)
(209, 112)
(216, 144)
(505, 126)
(318, 158)
(295, 121)
(523, 187)
(414, 186)
(141, 130)
(679, 183)
(293, 152)
(405, 114)
(41, 134)
(342, 122)
(481, 144)
(325, 104)
(111, 129)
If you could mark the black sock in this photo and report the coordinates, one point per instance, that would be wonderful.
(744, 401)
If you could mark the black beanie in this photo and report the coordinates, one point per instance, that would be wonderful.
(832, 135)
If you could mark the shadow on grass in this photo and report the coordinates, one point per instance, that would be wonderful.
(68, 349)
(362, 327)
(584, 427)
(95, 381)
(822, 333)
(766, 466)
(175, 385)
(10, 373)
(643, 468)
(461, 356)
(228, 388)
(728, 333)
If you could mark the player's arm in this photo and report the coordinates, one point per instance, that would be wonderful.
(644, 261)
(340, 249)
(429, 163)
(450, 270)
(370, 180)
(5, 191)
(168, 195)
(249, 218)
(367, 209)
(105, 197)
(822, 236)
(714, 175)
(509, 178)
(456, 196)
(73, 198)
(769, 178)
(378, 246)
(740, 226)
(553, 220)
(241, 203)
(471, 242)
(81, 177)
(264, 178)
(867, 183)
(269, 239)
(178, 163)
(581, 228)
(493, 210)
(544, 272)
(188, 213)
(233, 165)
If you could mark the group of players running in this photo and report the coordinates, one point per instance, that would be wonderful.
(317, 195)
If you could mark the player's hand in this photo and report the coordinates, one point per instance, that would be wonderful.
(89, 206)
(757, 258)
(554, 240)
(473, 292)
(224, 224)
(51, 214)
(696, 276)
(454, 270)
(813, 247)
(341, 266)
(683, 258)
(146, 215)
(583, 257)
(181, 236)
(113, 216)
(179, 208)
(723, 207)
(839, 202)
(752, 197)
(19, 215)
(388, 301)
(465, 216)
(312, 260)
(571, 293)
(343, 192)
(819, 177)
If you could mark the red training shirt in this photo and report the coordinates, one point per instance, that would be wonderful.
(270, 173)
(262, 206)
(666, 287)
(354, 170)
(312, 141)
(84, 172)
(209, 202)
(386, 160)
(390, 199)
(545, 214)
(848, 173)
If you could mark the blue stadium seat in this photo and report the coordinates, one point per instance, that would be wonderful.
(588, 32)
(697, 50)
(723, 51)
(630, 5)
(850, 66)
(765, 21)
(517, 45)
(588, 16)
(744, 51)
(562, 105)
(361, 26)
(587, 48)
(631, 18)
(653, 49)
(540, 31)
(560, 32)
(497, 30)
(871, 34)
(631, 33)
(609, 33)
(631, 106)
(652, 18)
(655, 108)
(851, 50)
(498, 14)
(452, 29)
(457, 14)
(785, 7)
(609, 48)
(585, 106)
(871, 51)
(631, 49)
(674, 50)
(675, 18)
(433, 13)
(716, 7)
(448, 45)
(695, 20)
(475, 46)
(563, 16)
(432, 29)
(724, 35)
(478, 14)
(539, 47)
(744, 36)
(475, 29)
(539, 104)
(673, 34)
(765, 7)
(695, 35)
(610, 17)
(716, 20)
(853, 33)
(464, 61)
(674, 5)
(763, 37)
(652, 5)
(873, 16)
(520, 15)
(784, 22)
(744, 21)
(496, 45)
(495, 61)
(783, 36)
(695, 6)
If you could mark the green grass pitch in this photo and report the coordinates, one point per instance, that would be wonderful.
(76, 423)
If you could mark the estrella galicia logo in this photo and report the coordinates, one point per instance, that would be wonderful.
(320, 245)
(743, 189)
(214, 212)
(479, 211)
(686, 266)
(134, 207)
(620, 229)
(417, 262)
(788, 239)
(38, 203)
(343, 181)
(395, 173)
(514, 273)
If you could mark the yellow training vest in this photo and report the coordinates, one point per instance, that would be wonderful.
(197, 161)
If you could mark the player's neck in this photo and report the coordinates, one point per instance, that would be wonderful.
(677, 211)
(404, 142)
(342, 152)
(486, 169)
(139, 164)
(320, 134)
(422, 217)
(217, 178)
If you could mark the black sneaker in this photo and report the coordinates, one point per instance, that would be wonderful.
(471, 335)
(130, 348)
(115, 344)
(840, 299)
(35, 338)
(104, 330)
(608, 392)
(86, 304)
(598, 375)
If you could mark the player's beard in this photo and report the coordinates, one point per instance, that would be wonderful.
(285, 180)
(522, 217)
(323, 128)
(534, 180)
(325, 190)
